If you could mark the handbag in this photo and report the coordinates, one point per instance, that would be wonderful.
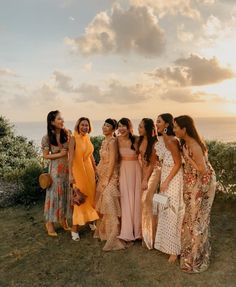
(45, 180)
(78, 197)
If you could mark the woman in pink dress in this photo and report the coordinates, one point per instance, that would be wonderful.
(130, 182)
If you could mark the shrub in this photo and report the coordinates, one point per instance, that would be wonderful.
(223, 159)
(97, 142)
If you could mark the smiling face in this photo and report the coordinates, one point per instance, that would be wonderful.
(84, 127)
(123, 130)
(107, 129)
(141, 129)
(180, 133)
(161, 125)
(58, 123)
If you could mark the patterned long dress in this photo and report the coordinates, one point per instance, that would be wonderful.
(199, 193)
(108, 204)
(58, 198)
(170, 215)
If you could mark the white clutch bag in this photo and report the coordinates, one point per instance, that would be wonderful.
(158, 198)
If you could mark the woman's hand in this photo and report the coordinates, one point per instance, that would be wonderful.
(164, 186)
(144, 184)
(63, 152)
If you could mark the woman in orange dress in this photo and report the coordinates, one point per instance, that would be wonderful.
(82, 174)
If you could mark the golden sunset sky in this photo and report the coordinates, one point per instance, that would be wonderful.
(101, 58)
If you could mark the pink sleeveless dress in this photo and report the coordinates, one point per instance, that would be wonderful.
(130, 192)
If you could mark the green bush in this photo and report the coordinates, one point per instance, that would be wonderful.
(97, 142)
(19, 165)
(223, 159)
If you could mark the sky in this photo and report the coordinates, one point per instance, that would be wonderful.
(104, 58)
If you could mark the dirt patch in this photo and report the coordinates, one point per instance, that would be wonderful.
(30, 258)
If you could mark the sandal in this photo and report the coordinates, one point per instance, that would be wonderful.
(75, 236)
(51, 233)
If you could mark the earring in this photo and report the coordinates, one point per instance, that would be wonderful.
(165, 130)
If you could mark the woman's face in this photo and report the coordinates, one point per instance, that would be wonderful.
(180, 133)
(107, 129)
(83, 127)
(161, 125)
(58, 123)
(123, 130)
(141, 129)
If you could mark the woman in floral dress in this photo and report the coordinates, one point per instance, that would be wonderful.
(199, 192)
(55, 148)
(108, 204)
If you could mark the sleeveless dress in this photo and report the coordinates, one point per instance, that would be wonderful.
(108, 204)
(130, 191)
(148, 219)
(170, 215)
(84, 176)
(199, 193)
(58, 198)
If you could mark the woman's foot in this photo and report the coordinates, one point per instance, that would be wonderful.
(65, 225)
(172, 259)
(92, 226)
(50, 229)
(75, 236)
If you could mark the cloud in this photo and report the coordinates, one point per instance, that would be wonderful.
(88, 67)
(212, 27)
(172, 7)
(193, 71)
(123, 31)
(116, 93)
(7, 72)
(183, 35)
(63, 82)
(186, 95)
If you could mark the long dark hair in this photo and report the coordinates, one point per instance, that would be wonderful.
(51, 129)
(168, 118)
(127, 122)
(188, 123)
(151, 137)
(79, 121)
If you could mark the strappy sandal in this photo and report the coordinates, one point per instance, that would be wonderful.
(75, 236)
(51, 233)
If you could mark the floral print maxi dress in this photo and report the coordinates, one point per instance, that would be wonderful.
(199, 192)
(57, 202)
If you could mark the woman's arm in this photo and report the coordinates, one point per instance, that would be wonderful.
(148, 169)
(173, 147)
(71, 158)
(60, 154)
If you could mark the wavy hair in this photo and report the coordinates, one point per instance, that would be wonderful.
(51, 130)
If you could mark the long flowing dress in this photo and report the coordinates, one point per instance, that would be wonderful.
(108, 204)
(170, 215)
(84, 176)
(199, 193)
(57, 206)
(130, 191)
(148, 219)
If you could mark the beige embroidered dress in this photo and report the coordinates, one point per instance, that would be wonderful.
(108, 202)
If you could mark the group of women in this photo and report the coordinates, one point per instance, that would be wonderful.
(168, 158)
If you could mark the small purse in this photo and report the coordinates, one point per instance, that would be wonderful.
(45, 180)
(78, 197)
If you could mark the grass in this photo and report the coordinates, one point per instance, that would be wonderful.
(30, 258)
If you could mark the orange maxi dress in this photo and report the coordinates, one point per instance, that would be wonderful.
(84, 176)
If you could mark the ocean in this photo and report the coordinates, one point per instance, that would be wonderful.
(222, 129)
